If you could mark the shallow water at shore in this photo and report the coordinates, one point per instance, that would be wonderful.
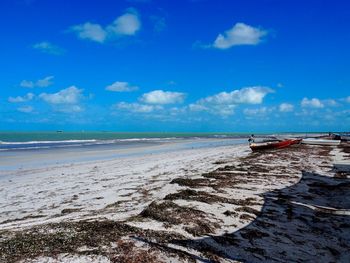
(28, 158)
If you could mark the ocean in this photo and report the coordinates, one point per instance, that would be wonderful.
(25, 150)
(22, 150)
(10, 141)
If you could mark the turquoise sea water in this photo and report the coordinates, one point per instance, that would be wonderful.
(59, 139)
(53, 149)
(10, 141)
(30, 149)
(65, 136)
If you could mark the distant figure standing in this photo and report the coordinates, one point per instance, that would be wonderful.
(251, 138)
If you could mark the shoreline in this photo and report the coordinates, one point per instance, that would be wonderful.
(26, 159)
(224, 204)
(79, 190)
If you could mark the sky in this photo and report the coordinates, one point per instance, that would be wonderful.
(175, 66)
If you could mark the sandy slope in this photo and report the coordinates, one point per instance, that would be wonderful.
(96, 189)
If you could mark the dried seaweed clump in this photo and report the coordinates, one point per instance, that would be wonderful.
(173, 214)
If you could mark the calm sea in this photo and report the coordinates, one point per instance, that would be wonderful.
(44, 140)
(21, 150)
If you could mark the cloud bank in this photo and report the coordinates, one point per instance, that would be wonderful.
(224, 103)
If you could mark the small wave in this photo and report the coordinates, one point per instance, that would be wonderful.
(31, 145)
(86, 141)
(46, 142)
(220, 136)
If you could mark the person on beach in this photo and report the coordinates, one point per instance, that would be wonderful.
(251, 138)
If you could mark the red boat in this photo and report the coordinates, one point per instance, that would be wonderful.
(256, 146)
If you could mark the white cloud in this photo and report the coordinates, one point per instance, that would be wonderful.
(26, 109)
(331, 102)
(222, 110)
(307, 113)
(27, 97)
(312, 103)
(137, 107)
(93, 32)
(174, 111)
(120, 86)
(248, 95)
(163, 97)
(41, 83)
(71, 95)
(27, 84)
(347, 99)
(125, 25)
(49, 48)
(239, 34)
(69, 108)
(224, 103)
(44, 82)
(197, 107)
(286, 107)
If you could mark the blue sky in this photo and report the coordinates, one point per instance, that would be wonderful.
(187, 65)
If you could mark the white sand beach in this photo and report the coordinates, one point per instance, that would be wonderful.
(212, 204)
(86, 190)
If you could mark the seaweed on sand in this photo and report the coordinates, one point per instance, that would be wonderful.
(199, 182)
(249, 210)
(173, 214)
(216, 184)
(53, 239)
(202, 196)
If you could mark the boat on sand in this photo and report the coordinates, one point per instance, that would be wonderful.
(257, 146)
(315, 141)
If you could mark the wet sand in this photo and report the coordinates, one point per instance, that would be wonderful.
(215, 205)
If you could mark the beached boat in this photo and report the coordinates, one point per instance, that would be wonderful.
(345, 137)
(315, 141)
(257, 146)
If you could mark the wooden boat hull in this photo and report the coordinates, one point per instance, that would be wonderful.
(321, 142)
(273, 145)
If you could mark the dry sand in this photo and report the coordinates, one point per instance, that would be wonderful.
(222, 204)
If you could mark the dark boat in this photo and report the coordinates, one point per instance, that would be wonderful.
(257, 146)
